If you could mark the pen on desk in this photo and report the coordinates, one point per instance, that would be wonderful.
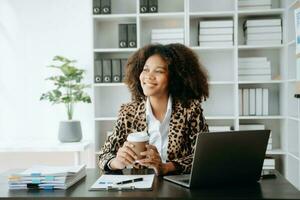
(130, 181)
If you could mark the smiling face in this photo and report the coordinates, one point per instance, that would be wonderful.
(155, 77)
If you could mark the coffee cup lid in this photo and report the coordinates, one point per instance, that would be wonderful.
(138, 137)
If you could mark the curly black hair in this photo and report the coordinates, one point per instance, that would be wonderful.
(188, 78)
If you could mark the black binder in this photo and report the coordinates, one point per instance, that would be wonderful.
(123, 66)
(131, 28)
(153, 6)
(116, 70)
(98, 71)
(106, 70)
(123, 36)
(105, 6)
(96, 7)
(143, 6)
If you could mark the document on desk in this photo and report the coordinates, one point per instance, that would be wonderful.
(109, 182)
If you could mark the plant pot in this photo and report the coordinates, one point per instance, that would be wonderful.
(69, 131)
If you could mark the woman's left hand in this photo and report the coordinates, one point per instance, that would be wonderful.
(152, 160)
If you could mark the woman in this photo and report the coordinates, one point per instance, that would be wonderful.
(167, 84)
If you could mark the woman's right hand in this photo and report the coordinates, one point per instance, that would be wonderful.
(125, 157)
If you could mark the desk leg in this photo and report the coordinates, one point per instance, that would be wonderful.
(77, 160)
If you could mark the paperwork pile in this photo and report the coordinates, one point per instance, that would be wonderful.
(47, 177)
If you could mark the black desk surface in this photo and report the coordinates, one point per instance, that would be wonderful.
(278, 188)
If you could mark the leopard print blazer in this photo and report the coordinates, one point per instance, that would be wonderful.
(185, 124)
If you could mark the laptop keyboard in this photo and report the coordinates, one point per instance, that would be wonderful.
(184, 180)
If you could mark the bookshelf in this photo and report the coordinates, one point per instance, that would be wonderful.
(283, 119)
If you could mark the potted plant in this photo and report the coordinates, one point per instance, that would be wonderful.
(68, 90)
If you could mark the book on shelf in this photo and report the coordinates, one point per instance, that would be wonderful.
(263, 42)
(261, 29)
(252, 59)
(123, 68)
(256, 77)
(265, 107)
(253, 66)
(215, 31)
(171, 30)
(216, 44)
(219, 128)
(215, 23)
(258, 101)
(244, 127)
(98, 71)
(240, 102)
(252, 101)
(178, 35)
(168, 41)
(167, 36)
(263, 36)
(269, 163)
(207, 38)
(245, 101)
(116, 70)
(262, 22)
(255, 71)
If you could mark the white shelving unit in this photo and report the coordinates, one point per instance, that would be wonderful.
(222, 108)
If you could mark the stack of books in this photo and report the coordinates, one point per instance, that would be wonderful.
(167, 36)
(253, 101)
(269, 163)
(254, 4)
(216, 33)
(257, 127)
(219, 128)
(46, 177)
(263, 32)
(254, 69)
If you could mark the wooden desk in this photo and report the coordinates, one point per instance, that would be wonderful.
(277, 188)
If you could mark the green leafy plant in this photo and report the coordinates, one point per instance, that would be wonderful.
(68, 87)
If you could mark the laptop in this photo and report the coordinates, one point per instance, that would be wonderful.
(220, 158)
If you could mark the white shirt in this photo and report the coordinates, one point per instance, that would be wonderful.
(158, 131)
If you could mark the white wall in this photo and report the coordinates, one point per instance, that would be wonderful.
(32, 32)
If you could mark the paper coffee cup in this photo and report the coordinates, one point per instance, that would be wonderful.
(139, 140)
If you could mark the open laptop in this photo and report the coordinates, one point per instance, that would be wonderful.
(221, 158)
